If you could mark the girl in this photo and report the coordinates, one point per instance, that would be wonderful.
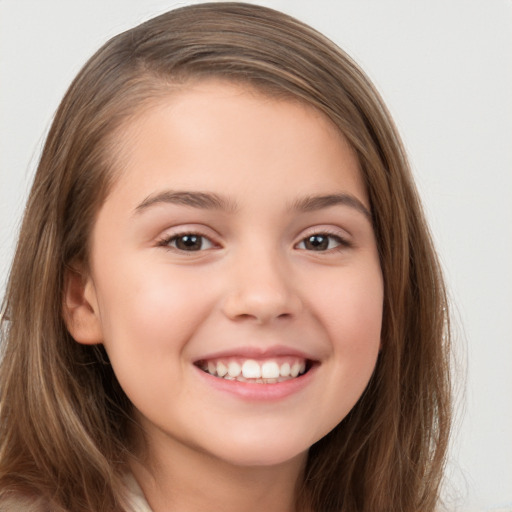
(224, 295)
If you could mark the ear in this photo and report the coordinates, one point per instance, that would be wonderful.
(80, 308)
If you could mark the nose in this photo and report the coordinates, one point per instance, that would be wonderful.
(261, 290)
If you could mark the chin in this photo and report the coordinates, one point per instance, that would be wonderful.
(262, 452)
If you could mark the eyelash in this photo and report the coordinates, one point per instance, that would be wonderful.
(167, 241)
(341, 243)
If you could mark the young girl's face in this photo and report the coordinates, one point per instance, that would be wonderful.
(235, 281)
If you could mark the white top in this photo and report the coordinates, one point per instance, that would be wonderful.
(136, 499)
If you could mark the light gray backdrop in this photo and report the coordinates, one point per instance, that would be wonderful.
(444, 68)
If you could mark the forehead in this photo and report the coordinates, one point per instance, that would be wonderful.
(217, 130)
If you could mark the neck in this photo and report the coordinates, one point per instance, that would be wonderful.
(191, 481)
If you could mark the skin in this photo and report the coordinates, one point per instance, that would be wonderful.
(255, 283)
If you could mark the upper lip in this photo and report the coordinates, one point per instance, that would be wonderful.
(253, 352)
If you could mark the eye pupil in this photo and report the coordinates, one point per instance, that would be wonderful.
(317, 242)
(189, 242)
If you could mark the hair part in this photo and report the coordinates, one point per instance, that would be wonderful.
(64, 419)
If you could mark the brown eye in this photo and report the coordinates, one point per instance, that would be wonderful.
(190, 242)
(320, 242)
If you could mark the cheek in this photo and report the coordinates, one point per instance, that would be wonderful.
(150, 309)
(353, 305)
(351, 312)
(148, 319)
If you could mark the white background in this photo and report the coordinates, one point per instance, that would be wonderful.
(445, 69)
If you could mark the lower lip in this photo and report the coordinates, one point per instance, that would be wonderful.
(263, 392)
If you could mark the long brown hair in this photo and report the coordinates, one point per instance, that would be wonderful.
(64, 418)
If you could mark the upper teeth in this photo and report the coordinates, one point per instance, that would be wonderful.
(252, 369)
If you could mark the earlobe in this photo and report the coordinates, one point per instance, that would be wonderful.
(80, 310)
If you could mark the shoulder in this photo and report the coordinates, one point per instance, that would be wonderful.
(14, 502)
(11, 501)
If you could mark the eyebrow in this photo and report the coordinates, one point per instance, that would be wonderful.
(212, 201)
(319, 202)
(201, 200)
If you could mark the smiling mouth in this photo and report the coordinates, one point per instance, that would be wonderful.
(267, 371)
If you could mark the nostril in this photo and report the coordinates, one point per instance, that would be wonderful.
(244, 316)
